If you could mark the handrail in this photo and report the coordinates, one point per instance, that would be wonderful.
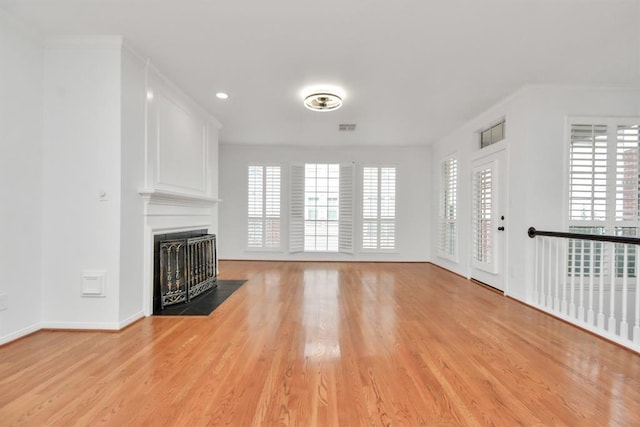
(532, 232)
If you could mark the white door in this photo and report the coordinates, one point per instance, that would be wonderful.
(488, 226)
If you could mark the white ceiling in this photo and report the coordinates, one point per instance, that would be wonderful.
(413, 70)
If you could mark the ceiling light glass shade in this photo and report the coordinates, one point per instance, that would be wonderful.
(323, 101)
(222, 95)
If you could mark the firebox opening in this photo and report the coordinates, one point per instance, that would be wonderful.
(184, 266)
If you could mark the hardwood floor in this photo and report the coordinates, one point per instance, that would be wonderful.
(327, 344)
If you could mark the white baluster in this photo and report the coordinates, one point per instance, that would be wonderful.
(636, 327)
(548, 302)
(612, 290)
(565, 266)
(600, 321)
(536, 275)
(624, 326)
(581, 306)
(592, 259)
(572, 306)
(543, 243)
(556, 300)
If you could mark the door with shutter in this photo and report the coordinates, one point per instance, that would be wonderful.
(488, 227)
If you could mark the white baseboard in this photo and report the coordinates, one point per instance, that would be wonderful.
(21, 333)
(107, 326)
(129, 320)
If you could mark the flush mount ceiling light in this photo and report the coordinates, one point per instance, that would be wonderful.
(222, 95)
(323, 101)
(323, 98)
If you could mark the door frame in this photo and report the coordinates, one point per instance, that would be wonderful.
(499, 155)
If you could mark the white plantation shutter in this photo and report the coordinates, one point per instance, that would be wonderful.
(263, 188)
(603, 188)
(378, 208)
(272, 207)
(370, 205)
(255, 232)
(627, 190)
(296, 211)
(588, 172)
(387, 208)
(345, 216)
(482, 238)
(627, 173)
(448, 207)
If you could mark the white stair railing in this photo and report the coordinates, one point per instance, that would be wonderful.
(591, 281)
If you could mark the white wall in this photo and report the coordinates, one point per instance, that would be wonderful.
(133, 93)
(547, 190)
(20, 178)
(73, 126)
(536, 143)
(413, 198)
(463, 143)
(81, 158)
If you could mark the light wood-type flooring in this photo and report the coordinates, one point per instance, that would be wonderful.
(328, 344)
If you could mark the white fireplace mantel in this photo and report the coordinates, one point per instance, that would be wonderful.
(162, 202)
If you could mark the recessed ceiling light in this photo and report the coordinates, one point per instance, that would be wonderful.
(222, 95)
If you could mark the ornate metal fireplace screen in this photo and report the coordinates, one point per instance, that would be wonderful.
(188, 267)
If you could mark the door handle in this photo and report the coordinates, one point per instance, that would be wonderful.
(500, 228)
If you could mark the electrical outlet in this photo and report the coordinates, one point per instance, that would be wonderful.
(4, 302)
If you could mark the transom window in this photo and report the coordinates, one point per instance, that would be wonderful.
(492, 135)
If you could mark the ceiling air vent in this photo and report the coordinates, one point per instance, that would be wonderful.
(346, 127)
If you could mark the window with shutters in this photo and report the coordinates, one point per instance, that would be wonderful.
(321, 207)
(378, 208)
(448, 208)
(263, 207)
(604, 186)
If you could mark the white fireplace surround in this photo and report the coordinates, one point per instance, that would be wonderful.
(181, 174)
(168, 212)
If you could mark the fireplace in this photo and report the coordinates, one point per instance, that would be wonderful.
(185, 266)
(170, 215)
